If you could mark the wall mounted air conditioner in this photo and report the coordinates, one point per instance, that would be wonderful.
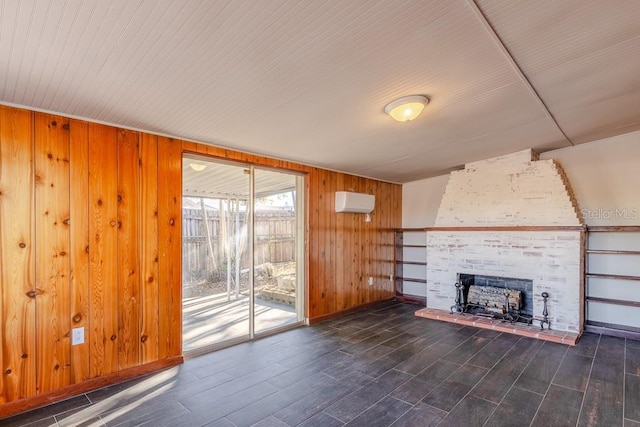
(348, 201)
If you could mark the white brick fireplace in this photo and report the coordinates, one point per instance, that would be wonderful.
(515, 217)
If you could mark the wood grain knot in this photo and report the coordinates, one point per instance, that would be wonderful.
(35, 292)
(113, 337)
(49, 156)
(143, 338)
(99, 202)
(22, 245)
(86, 249)
(66, 221)
(63, 253)
(119, 198)
(24, 355)
(172, 221)
(150, 279)
(56, 367)
(54, 123)
(77, 318)
(65, 126)
(119, 224)
(8, 371)
(113, 223)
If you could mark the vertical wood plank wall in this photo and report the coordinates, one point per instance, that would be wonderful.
(128, 249)
(52, 252)
(344, 249)
(149, 294)
(103, 303)
(17, 252)
(169, 244)
(90, 236)
(79, 245)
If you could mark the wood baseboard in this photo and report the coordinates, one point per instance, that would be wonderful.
(605, 329)
(347, 311)
(23, 405)
(412, 299)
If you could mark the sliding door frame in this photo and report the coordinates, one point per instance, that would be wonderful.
(301, 250)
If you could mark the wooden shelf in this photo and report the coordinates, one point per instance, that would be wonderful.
(614, 319)
(613, 229)
(612, 252)
(510, 228)
(409, 279)
(400, 263)
(612, 276)
(411, 262)
(614, 301)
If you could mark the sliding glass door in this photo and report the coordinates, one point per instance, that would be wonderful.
(215, 260)
(242, 269)
(276, 237)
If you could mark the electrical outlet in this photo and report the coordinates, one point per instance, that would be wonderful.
(77, 336)
(370, 281)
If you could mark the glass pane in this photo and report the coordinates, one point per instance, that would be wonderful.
(276, 281)
(215, 257)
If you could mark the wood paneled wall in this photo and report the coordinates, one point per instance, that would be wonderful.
(17, 256)
(85, 243)
(90, 237)
(344, 250)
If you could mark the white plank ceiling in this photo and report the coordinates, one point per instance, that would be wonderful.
(307, 80)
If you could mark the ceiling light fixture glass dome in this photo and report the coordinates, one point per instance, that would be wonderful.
(406, 108)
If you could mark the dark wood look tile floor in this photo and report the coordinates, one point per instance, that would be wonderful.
(382, 366)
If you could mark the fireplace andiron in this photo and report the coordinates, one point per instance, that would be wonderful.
(506, 312)
(458, 307)
(545, 312)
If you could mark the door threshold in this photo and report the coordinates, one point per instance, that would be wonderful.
(190, 354)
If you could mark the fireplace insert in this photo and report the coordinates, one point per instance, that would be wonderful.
(506, 299)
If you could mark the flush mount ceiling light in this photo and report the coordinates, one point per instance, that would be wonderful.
(198, 167)
(406, 108)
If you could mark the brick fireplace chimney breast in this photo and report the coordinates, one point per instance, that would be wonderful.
(512, 190)
(482, 229)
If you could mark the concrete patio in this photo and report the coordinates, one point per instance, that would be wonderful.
(211, 319)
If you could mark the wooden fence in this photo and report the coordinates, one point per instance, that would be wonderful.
(274, 241)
